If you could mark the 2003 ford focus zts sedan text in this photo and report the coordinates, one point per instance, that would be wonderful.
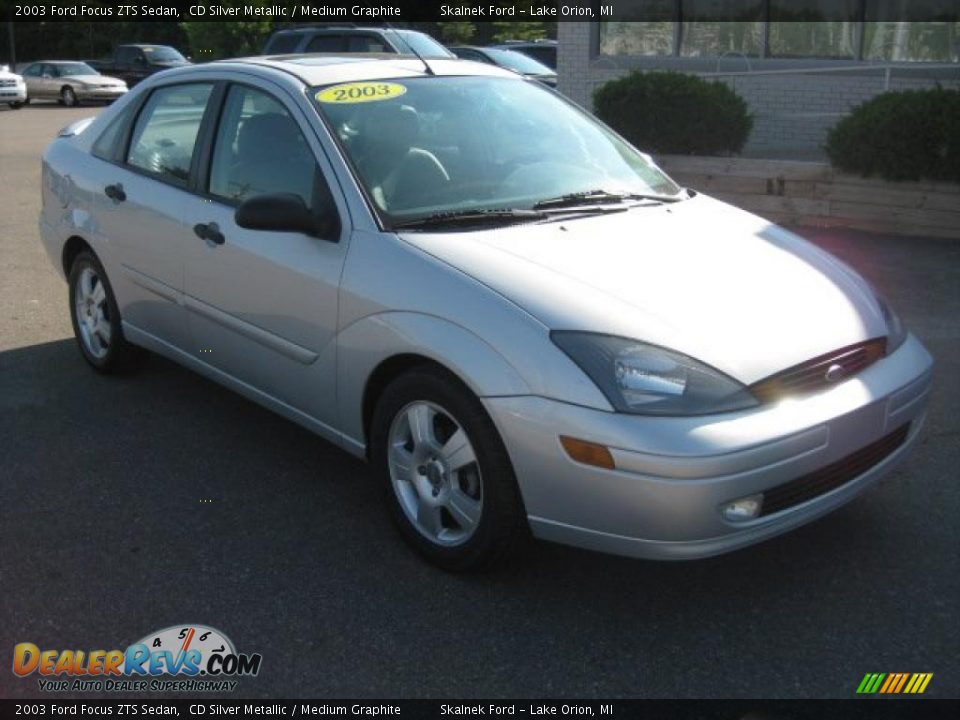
(517, 317)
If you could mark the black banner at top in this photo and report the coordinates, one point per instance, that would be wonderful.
(503, 709)
(399, 11)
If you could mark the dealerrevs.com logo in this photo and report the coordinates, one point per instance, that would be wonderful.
(187, 658)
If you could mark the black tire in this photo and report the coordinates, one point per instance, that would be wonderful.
(68, 97)
(118, 354)
(502, 524)
(16, 105)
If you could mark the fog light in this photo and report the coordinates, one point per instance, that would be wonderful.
(744, 509)
(588, 453)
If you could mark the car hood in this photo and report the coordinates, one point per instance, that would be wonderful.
(698, 276)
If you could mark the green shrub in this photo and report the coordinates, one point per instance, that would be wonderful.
(906, 135)
(670, 112)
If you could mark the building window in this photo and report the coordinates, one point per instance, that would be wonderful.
(653, 35)
(714, 28)
(885, 30)
(893, 31)
(814, 28)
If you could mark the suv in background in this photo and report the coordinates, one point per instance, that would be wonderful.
(543, 50)
(13, 91)
(346, 39)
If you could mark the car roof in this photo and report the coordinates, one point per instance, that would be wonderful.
(325, 68)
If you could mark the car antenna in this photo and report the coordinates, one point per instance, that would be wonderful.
(412, 49)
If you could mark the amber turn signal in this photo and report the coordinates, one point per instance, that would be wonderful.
(587, 453)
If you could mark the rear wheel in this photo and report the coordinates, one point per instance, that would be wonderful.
(448, 481)
(96, 319)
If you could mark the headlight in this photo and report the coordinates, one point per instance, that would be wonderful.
(896, 332)
(649, 380)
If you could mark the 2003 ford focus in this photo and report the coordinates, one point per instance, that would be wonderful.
(516, 316)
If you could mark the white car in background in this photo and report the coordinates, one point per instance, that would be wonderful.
(13, 92)
(70, 82)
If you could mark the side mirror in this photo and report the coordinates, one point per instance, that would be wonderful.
(47, 76)
(286, 212)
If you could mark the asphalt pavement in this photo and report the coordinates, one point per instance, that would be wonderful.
(130, 504)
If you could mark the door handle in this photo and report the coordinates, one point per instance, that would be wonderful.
(210, 232)
(115, 192)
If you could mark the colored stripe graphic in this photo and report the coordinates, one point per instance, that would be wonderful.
(892, 680)
(894, 683)
(903, 680)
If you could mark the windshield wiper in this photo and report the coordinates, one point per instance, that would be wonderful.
(595, 197)
(471, 217)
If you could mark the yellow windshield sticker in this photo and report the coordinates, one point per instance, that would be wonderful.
(360, 92)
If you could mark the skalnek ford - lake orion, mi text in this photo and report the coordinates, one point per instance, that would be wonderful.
(498, 11)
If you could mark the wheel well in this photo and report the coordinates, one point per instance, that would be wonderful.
(74, 246)
(65, 86)
(385, 373)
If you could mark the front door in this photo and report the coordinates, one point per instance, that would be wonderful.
(262, 305)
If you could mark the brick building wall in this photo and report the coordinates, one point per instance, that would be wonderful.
(792, 112)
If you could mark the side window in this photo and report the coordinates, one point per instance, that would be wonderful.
(106, 146)
(50, 71)
(368, 43)
(327, 43)
(166, 131)
(32, 71)
(127, 54)
(260, 149)
(281, 44)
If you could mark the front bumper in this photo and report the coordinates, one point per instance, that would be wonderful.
(100, 93)
(13, 93)
(673, 476)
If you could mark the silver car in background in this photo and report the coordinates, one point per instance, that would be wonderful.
(518, 318)
(70, 83)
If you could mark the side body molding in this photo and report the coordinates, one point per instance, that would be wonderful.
(368, 342)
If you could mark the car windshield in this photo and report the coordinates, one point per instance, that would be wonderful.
(75, 68)
(160, 53)
(518, 62)
(429, 145)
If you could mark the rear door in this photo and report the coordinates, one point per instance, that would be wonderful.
(262, 305)
(145, 170)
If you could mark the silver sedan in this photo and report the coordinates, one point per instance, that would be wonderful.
(514, 315)
(70, 83)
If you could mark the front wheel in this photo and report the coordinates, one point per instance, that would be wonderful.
(96, 318)
(69, 97)
(448, 481)
(16, 105)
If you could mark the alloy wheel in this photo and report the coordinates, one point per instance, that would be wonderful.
(435, 474)
(92, 313)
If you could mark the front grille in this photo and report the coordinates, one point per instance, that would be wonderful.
(8, 82)
(832, 476)
(821, 372)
